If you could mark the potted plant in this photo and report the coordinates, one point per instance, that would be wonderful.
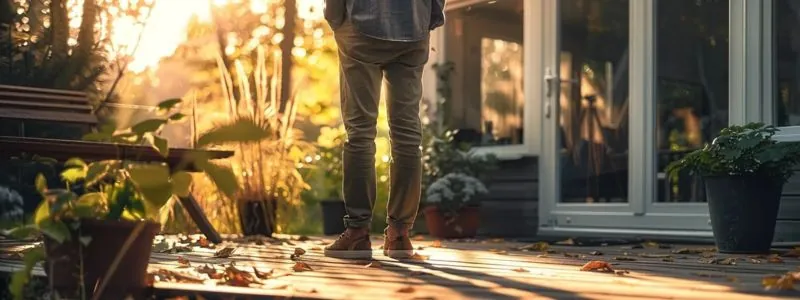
(452, 206)
(98, 231)
(744, 170)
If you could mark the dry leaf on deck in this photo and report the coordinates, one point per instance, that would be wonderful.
(316, 248)
(622, 272)
(719, 261)
(183, 262)
(650, 245)
(301, 267)
(775, 259)
(538, 246)
(668, 259)
(225, 252)
(262, 275)
(774, 282)
(596, 253)
(520, 270)
(203, 243)
(406, 290)
(374, 264)
(236, 277)
(436, 244)
(693, 250)
(624, 258)
(708, 254)
(567, 242)
(418, 256)
(597, 266)
(792, 253)
(756, 261)
(299, 251)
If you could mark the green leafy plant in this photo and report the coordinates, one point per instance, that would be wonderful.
(125, 190)
(454, 191)
(740, 151)
(442, 156)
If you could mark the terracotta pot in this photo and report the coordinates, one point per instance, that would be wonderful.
(63, 265)
(464, 225)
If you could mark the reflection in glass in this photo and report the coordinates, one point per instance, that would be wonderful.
(484, 42)
(501, 92)
(786, 62)
(593, 107)
(692, 87)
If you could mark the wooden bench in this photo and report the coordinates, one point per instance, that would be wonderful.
(22, 108)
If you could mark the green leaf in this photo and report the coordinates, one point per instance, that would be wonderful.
(62, 197)
(169, 104)
(41, 184)
(148, 126)
(75, 163)
(24, 232)
(73, 175)
(177, 117)
(242, 130)
(96, 137)
(20, 278)
(42, 212)
(57, 231)
(223, 177)
(154, 183)
(161, 145)
(181, 182)
(109, 127)
(85, 240)
(97, 170)
(125, 138)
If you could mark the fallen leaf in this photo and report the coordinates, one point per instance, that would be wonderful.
(624, 258)
(693, 250)
(719, 261)
(668, 259)
(299, 251)
(774, 282)
(708, 254)
(520, 270)
(650, 245)
(406, 290)
(539, 246)
(792, 253)
(775, 259)
(756, 261)
(183, 262)
(418, 256)
(225, 252)
(262, 275)
(436, 244)
(303, 238)
(203, 243)
(596, 253)
(301, 267)
(162, 247)
(206, 269)
(294, 257)
(315, 248)
(621, 272)
(418, 248)
(374, 264)
(650, 255)
(597, 266)
(567, 242)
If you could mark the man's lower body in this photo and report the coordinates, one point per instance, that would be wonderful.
(364, 64)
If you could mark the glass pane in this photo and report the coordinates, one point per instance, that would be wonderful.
(484, 43)
(786, 64)
(593, 108)
(692, 87)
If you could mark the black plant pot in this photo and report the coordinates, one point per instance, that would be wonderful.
(333, 212)
(254, 217)
(743, 212)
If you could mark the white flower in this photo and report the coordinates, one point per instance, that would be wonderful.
(455, 187)
(10, 204)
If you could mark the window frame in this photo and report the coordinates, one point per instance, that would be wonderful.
(532, 72)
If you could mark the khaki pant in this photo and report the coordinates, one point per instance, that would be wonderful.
(364, 63)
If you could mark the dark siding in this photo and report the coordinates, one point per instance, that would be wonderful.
(512, 207)
(788, 227)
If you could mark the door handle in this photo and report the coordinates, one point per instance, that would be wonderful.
(551, 80)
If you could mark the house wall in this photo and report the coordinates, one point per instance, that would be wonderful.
(512, 207)
(788, 227)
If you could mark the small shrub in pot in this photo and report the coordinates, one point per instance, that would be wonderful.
(452, 206)
(744, 170)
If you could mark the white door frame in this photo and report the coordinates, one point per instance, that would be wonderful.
(641, 216)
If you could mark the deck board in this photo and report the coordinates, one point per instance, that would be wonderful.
(484, 270)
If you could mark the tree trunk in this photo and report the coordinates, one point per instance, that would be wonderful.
(286, 52)
(82, 54)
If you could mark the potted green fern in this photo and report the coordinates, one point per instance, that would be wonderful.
(744, 170)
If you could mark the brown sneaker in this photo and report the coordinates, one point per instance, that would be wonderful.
(354, 243)
(396, 243)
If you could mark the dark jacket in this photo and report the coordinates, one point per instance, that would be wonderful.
(394, 20)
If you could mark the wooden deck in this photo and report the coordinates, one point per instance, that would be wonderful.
(488, 269)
